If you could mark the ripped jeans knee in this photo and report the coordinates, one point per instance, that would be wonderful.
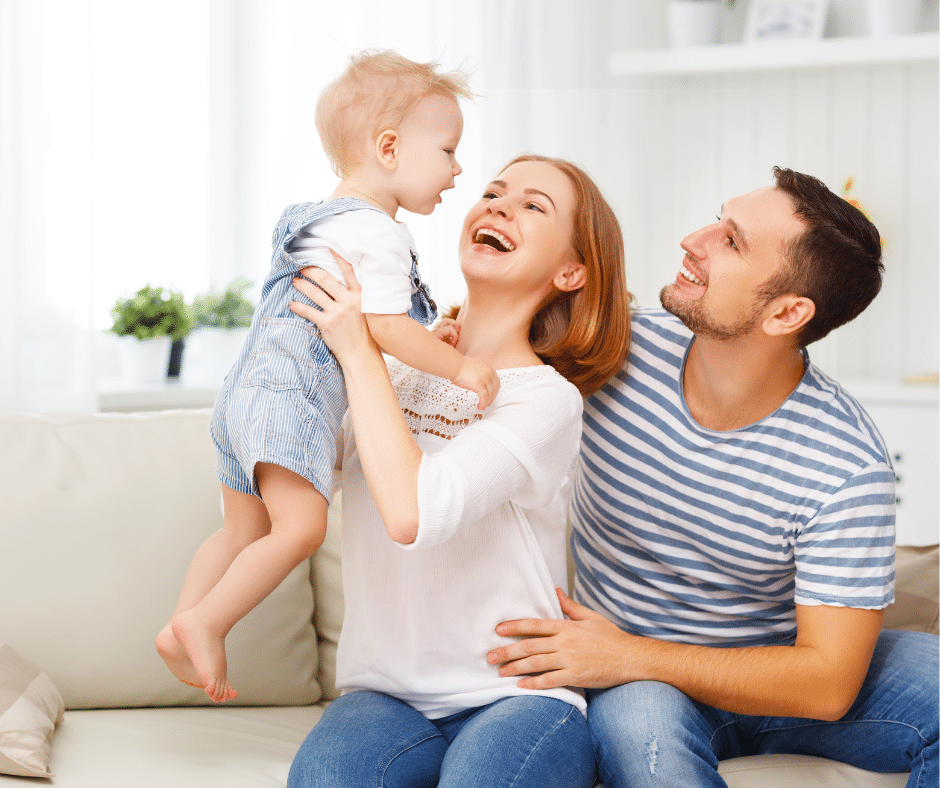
(651, 734)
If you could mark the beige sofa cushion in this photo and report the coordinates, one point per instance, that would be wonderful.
(328, 583)
(102, 516)
(915, 590)
(790, 771)
(221, 747)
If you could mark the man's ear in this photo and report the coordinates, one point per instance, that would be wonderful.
(386, 148)
(571, 277)
(788, 314)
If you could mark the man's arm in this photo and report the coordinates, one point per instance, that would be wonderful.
(818, 677)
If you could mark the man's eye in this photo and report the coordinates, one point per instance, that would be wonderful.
(489, 195)
(731, 243)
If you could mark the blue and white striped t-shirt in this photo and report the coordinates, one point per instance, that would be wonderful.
(686, 534)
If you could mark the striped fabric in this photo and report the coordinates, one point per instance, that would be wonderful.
(686, 534)
(284, 398)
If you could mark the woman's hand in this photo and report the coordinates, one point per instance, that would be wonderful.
(341, 322)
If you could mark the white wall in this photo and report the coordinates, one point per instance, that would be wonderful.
(667, 151)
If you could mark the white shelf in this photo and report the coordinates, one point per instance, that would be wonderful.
(171, 396)
(871, 392)
(777, 56)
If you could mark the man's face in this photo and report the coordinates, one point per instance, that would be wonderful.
(716, 293)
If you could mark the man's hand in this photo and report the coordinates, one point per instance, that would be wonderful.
(587, 651)
(480, 378)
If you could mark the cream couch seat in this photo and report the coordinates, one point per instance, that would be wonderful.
(100, 516)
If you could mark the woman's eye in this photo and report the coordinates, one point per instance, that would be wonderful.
(731, 243)
(489, 196)
(536, 206)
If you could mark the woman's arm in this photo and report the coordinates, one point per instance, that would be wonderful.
(389, 455)
(519, 451)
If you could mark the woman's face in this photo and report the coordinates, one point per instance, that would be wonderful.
(519, 235)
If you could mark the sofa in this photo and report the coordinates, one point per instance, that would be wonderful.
(100, 516)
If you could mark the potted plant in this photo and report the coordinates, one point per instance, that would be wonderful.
(228, 310)
(150, 322)
(222, 322)
(694, 22)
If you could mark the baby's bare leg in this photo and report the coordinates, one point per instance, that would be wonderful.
(246, 520)
(297, 512)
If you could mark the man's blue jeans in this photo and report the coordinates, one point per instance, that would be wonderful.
(650, 734)
(366, 740)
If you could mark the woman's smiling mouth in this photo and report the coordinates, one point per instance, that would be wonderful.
(494, 238)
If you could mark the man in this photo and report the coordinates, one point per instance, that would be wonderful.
(733, 521)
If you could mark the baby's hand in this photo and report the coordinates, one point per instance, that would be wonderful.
(479, 377)
(448, 331)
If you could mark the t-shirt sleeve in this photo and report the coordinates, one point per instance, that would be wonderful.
(374, 243)
(520, 452)
(845, 554)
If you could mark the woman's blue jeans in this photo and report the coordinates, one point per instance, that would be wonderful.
(650, 734)
(367, 739)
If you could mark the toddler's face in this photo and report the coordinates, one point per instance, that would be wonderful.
(427, 163)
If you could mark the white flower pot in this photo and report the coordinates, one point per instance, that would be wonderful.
(893, 17)
(144, 362)
(693, 23)
(209, 355)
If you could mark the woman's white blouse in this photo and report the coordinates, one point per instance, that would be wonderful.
(492, 498)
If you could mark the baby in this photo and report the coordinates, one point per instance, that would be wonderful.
(390, 128)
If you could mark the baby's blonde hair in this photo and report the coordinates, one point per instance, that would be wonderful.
(376, 92)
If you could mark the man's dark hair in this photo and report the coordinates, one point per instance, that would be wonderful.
(835, 261)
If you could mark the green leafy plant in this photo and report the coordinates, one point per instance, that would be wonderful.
(152, 312)
(230, 309)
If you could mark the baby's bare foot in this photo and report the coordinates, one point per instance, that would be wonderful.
(206, 652)
(176, 658)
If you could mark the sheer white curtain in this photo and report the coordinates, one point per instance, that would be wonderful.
(44, 347)
(145, 143)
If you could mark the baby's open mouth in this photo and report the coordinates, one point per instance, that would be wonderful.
(494, 238)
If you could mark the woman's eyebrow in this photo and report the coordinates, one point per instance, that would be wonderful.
(536, 191)
(502, 185)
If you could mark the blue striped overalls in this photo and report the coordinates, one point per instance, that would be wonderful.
(284, 398)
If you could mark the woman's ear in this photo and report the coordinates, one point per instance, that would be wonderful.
(788, 314)
(571, 277)
(386, 148)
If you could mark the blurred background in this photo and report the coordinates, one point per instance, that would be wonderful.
(157, 143)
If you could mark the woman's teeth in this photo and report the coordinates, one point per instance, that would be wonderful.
(690, 276)
(495, 239)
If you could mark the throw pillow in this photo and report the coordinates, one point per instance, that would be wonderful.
(30, 708)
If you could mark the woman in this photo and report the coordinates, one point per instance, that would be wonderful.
(474, 504)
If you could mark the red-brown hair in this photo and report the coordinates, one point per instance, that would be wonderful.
(585, 334)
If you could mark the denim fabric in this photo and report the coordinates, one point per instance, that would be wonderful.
(366, 739)
(650, 734)
(285, 397)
